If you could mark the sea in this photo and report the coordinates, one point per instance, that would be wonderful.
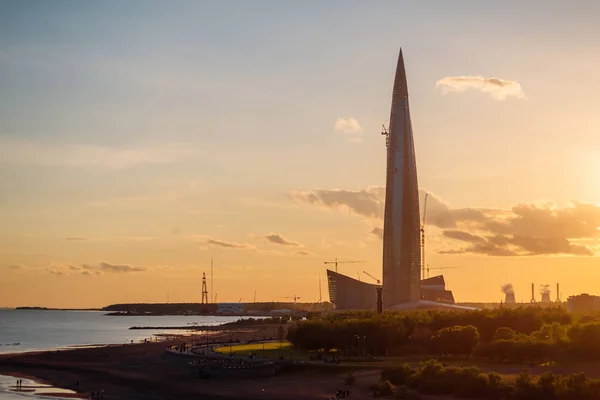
(34, 330)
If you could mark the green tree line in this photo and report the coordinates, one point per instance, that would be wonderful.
(514, 335)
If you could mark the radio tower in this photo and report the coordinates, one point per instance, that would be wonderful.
(423, 238)
(204, 290)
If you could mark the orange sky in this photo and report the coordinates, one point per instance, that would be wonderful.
(130, 157)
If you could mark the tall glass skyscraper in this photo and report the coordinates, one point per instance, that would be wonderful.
(401, 228)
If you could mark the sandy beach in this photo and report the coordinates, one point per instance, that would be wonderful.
(145, 371)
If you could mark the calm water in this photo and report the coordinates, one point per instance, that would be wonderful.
(43, 330)
(31, 389)
(39, 330)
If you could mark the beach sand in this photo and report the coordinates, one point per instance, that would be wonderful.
(145, 371)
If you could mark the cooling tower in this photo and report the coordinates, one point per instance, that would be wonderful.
(510, 298)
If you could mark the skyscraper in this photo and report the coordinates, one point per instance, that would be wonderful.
(401, 228)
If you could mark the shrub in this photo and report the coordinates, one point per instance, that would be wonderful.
(387, 389)
(504, 333)
(399, 375)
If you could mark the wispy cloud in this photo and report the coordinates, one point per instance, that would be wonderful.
(228, 245)
(350, 127)
(377, 231)
(55, 272)
(93, 269)
(280, 239)
(499, 89)
(117, 268)
(367, 202)
(79, 155)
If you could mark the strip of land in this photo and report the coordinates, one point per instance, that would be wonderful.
(145, 371)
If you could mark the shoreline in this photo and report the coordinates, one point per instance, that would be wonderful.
(44, 388)
(160, 338)
(146, 371)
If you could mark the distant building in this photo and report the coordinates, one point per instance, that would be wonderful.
(401, 223)
(434, 289)
(280, 312)
(583, 303)
(230, 308)
(401, 264)
(351, 294)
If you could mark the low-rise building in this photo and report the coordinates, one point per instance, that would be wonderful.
(230, 308)
(583, 303)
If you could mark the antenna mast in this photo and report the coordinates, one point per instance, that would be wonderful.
(423, 238)
(204, 291)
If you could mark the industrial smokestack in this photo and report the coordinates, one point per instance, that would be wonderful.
(509, 291)
(557, 293)
(545, 293)
(533, 293)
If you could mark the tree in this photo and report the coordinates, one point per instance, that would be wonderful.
(504, 333)
(455, 340)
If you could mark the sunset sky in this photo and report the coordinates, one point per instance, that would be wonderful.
(139, 139)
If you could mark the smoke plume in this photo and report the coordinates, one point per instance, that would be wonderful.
(507, 289)
(545, 289)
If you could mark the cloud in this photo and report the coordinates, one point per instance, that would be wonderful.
(279, 239)
(95, 269)
(75, 238)
(349, 125)
(303, 253)
(377, 231)
(463, 236)
(370, 203)
(366, 202)
(499, 89)
(529, 230)
(116, 268)
(15, 266)
(523, 230)
(229, 245)
(55, 272)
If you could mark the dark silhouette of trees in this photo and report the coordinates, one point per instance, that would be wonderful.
(455, 341)
(469, 382)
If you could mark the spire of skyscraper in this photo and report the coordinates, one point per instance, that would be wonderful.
(401, 229)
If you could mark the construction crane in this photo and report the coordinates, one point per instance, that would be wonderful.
(318, 304)
(385, 132)
(336, 262)
(369, 275)
(423, 239)
(294, 297)
(441, 268)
